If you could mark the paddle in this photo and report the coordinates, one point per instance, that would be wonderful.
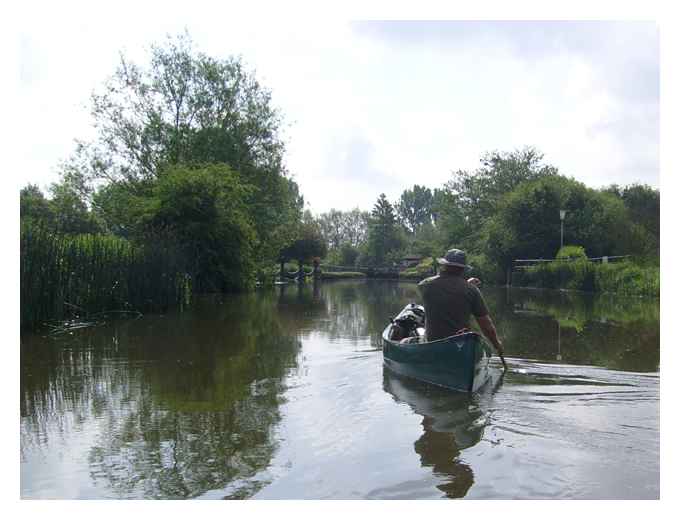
(505, 367)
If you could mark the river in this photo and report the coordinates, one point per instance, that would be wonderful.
(281, 393)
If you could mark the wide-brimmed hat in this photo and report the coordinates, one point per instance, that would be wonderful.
(454, 257)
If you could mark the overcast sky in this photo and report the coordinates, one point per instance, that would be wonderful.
(374, 107)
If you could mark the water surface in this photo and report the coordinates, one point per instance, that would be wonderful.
(282, 394)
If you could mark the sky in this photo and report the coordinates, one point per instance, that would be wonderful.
(372, 107)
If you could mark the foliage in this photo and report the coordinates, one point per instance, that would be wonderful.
(579, 275)
(383, 236)
(188, 109)
(628, 278)
(204, 209)
(423, 269)
(348, 254)
(63, 212)
(33, 205)
(619, 277)
(70, 213)
(486, 270)
(643, 204)
(343, 227)
(414, 208)
(477, 193)
(309, 243)
(63, 276)
(572, 253)
(527, 224)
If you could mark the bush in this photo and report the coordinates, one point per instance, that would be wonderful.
(572, 253)
(623, 277)
(629, 278)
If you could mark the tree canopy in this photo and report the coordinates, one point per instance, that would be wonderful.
(187, 108)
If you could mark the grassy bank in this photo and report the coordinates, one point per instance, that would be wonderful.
(76, 277)
(341, 275)
(625, 278)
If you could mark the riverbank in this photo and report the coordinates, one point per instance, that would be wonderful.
(624, 278)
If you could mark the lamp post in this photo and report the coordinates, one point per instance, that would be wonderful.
(563, 212)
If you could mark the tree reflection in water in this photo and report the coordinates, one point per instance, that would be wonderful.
(452, 421)
(182, 405)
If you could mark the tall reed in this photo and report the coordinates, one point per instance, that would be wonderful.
(621, 277)
(65, 277)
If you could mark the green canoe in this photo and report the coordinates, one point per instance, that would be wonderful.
(459, 362)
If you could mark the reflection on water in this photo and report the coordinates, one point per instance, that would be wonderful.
(451, 422)
(281, 394)
(159, 407)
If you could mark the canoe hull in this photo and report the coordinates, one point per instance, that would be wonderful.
(459, 362)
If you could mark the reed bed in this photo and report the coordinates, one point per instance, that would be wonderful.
(625, 277)
(65, 277)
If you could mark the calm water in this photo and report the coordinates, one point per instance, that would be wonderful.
(282, 394)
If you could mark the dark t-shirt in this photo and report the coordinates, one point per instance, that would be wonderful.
(449, 300)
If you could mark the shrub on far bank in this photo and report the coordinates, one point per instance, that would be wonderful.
(572, 253)
(423, 269)
(621, 277)
(629, 278)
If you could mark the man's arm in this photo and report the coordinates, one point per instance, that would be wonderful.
(489, 330)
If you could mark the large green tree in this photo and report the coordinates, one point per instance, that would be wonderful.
(383, 235)
(203, 210)
(187, 108)
(344, 227)
(63, 212)
(477, 193)
(33, 205)
(644, 204)
(414, 208)
(309, 243)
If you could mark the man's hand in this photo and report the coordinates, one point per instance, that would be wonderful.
(475, 281)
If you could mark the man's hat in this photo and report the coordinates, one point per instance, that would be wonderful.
(454, 257)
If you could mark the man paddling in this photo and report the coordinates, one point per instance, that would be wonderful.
(450, 299)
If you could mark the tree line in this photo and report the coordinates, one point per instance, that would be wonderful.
(506, 209)
(187, 151)
(188, 156)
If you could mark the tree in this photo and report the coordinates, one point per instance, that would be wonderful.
(64, 212)
(343, 227)
(348, 254)
(451, 224)
(190, 109)
(382, 236)
(355, 227)
(414, 208)
(527, 224)
(643, 204)
(308, 244)
(70, 213)
(477, 193)
(331, 225)
(33, 206)
(203, 209)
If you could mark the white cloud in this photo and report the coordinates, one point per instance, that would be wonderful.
(375, 107)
